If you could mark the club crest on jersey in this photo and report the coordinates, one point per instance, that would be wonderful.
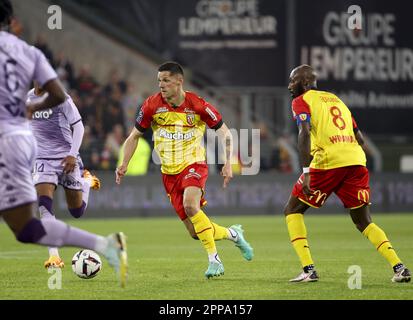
(190, 118)
(303, 117)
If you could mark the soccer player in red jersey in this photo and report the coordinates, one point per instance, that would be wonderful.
(178, 119)
(330, 150)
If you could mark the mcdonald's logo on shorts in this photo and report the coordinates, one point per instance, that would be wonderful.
(321, 197)
(363, 195)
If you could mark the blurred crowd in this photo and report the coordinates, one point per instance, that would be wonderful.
(108, 109)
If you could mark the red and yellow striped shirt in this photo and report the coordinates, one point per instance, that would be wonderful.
(178, 131)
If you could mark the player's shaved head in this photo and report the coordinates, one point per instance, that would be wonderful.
(305, 73)
(6, 12)
(302, 79)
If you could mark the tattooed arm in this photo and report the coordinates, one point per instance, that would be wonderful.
(225, 138)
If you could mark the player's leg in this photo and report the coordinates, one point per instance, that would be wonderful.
(19, 207)
(220, 232)
(75, 203)
(354, 192)
(203, 229)
(294, 216)
(77, 200)
(190, 227)
(49, 232)
(362, 220)
(323, 182)
(77, 189)
(45, 193)
(233, 233)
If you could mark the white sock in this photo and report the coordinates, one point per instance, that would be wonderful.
(53, 252)
(232, 235)
(45, 214)
(213, 257)
(85, 190)
(101, 244)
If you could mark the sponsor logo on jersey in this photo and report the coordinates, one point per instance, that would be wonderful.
(161, 109)
(175, 135)
(43, 114)
(188, 110)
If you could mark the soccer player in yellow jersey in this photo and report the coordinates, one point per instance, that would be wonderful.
(330, 150)
(178, 119)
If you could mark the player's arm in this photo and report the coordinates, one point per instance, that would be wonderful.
(225, 138)
(129, 147)
(304, 152)
(56, 96)
(69, 162)
(360, 137)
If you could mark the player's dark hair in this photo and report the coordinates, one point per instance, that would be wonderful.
(6, 12)
(171, 66)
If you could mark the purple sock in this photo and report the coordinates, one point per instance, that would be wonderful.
(56, 233)
(32, 232)
(78, 212)
(47, 204)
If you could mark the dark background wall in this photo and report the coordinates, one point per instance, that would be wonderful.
(253, 195)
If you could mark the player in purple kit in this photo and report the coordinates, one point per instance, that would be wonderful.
(59, 133)
(20, 64)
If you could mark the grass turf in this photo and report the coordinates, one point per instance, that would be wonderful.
(165, 263)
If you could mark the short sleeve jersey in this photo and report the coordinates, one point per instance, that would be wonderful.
(20, 64)
(333, 142)
(52, 128)
(178, 131)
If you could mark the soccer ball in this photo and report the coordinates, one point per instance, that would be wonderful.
(86, 264)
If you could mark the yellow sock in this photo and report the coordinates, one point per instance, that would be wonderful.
(219, 231)
(204, 231)
(379, 239)
(298, 237)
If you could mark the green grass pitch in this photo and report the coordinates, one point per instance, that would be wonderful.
(165, 263)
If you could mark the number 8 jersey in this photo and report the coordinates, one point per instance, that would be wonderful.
(333, 142)
(20, 64)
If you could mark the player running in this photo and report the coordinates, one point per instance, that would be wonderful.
(178, 119)
(329, 146)
(59, 133)
(20, 64)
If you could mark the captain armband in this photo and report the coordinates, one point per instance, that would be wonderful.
(303, 117)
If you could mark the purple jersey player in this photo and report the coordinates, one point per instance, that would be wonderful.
(20, 64)
(59, 132)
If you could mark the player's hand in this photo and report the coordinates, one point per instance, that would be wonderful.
(306, 185)
(226, 172)
(30, 109)
(120, 173)
(69, 164)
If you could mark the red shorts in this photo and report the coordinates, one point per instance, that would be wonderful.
(195, 175)
(350, 184)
